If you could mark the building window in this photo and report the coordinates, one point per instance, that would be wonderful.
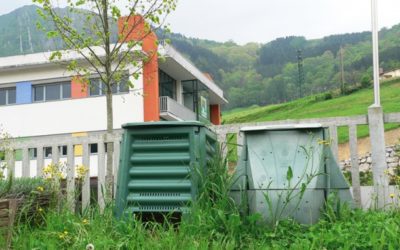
(93, 148)
(32, 153)
(38, 93)
(7, 96)
(47, 152)
(63, 150)
(51, 92)
(97, 87)
(167, 85)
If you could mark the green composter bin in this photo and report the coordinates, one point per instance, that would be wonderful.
(288, 171)
(156, 162)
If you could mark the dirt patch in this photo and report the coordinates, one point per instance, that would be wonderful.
(364, 144)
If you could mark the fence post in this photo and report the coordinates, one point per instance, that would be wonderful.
(378, 154)
(70, 177)
(334, 143)
(240, 143)
(86, 178)
(26, 169)
(101, 176)
(223, 143)
(10, 159)
(355, 172)
(55, 156)
(117, 148)
(39, 161)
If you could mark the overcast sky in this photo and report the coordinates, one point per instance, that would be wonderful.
(264, 20)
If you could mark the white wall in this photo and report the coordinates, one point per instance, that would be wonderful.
(75, 115)
(38, 74)
(67, 116)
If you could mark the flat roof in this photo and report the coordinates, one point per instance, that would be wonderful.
(181, 68)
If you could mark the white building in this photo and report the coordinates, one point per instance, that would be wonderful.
(390, 74)
(39, 97)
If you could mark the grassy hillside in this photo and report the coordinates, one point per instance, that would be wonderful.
(312, 107)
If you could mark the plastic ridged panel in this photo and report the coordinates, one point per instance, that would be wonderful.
(156, 165)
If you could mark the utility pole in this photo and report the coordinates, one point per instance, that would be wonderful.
(29, 32)
(342, 87)
(21, 49)
(301, 72)
(376, 123)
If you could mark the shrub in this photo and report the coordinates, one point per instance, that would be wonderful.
(366, 81)
(323, 96)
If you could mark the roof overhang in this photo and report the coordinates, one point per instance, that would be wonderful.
(180, 68)
(42, 59)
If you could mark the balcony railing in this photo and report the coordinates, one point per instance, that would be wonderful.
(172, 110)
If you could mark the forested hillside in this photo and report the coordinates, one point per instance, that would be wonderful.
(251, 74)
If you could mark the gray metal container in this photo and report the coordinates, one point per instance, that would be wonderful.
(288, 171)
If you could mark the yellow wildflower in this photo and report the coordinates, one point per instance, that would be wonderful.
(324, 142)
(40, 188)
(40, 209)
(386, 172)
(85, 221)
(60, 175)
(391, 195)
(63, 235)
(81, 171)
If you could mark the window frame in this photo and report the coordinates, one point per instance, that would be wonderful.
(101, 86)
(60, 85)
(7, 91)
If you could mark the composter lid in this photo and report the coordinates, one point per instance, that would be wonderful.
(163, 124)
(283, 127)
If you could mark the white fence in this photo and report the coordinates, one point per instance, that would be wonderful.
(36, 155)
(33, 166)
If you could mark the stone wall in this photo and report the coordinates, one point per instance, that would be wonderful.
(392, 160)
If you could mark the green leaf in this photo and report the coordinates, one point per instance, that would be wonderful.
(55, 55)
(289, 174)
(303, 188)
(52, 34)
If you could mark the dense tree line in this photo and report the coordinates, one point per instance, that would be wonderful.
(255, 74)
(250, 74)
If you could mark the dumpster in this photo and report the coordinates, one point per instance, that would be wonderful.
(288, 171)
(156, 162)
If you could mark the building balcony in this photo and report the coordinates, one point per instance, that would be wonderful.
(171, 110)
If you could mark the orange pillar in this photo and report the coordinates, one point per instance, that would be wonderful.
(134, 28)
(215, 114)
(78, 88)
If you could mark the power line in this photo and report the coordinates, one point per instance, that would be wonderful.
(301, 72)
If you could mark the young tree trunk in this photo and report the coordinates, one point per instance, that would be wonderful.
(109, 146)
(110, 123)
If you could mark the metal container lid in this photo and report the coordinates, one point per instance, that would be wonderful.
(283, 127)
(163, 124)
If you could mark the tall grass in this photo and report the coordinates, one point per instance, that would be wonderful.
(214, 222)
